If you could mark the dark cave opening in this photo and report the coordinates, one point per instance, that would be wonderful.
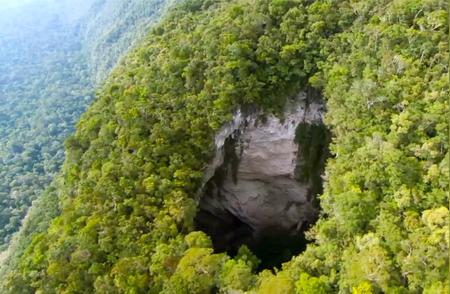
(253, 201)
(229, 233)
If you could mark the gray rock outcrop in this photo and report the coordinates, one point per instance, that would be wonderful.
(256, 174)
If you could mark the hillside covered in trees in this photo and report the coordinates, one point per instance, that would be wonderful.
(128, 190)
(51, 58)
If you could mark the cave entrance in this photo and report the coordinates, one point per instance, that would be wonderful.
(264, 194)
(228, 233)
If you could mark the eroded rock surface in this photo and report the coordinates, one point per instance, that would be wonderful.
(257, 184)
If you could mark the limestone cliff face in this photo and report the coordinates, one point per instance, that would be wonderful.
(256, 184)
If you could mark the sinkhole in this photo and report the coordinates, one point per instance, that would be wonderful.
(264, 191)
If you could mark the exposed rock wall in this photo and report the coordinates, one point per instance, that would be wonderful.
(254, 186)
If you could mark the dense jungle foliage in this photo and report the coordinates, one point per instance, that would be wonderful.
(133, 167)
(51, 56)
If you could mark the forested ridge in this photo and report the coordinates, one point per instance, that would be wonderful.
(129, 184)
(32, 87)
(51, 58)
